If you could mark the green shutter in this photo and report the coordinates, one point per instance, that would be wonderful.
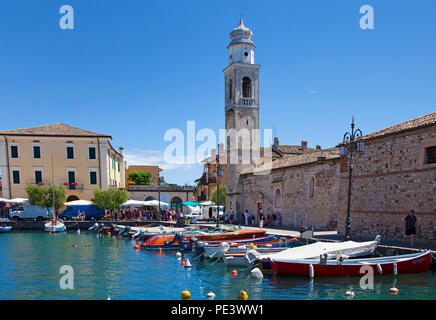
(14, 152)
(36, 152)
(16, 176)
(92, 153)
(38, 177)
(93, 177)
(70, 153)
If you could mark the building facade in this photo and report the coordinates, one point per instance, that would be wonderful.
(168, 194)
(59, 154)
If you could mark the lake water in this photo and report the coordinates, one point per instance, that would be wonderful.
(110, 267)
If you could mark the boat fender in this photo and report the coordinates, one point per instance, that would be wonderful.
(256, 273)
(311, 271)
(379, 268)
(395, 269)
(211, 295)
(178, 254)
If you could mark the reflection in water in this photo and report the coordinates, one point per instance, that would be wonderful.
(110, 267)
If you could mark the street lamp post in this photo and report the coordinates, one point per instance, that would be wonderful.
(218, 172)
(352, 142)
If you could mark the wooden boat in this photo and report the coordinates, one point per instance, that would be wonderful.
(240, 249)
(54, 226)
(224, 233)
(407, 263)
(4, 229)
(165, 242)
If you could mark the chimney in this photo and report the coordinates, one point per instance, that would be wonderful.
(276, 142)
(318, 147)
(121, 150)
(303, 145)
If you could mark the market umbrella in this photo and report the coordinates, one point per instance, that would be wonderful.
(78, 203)
(207, 203)
(190, 203)
(155, 203)
(17, 200)
(134, 203)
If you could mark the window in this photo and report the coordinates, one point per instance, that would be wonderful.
(246, 53)
(36, 152)
(230, 89)
(246, 87)
(70, 152)
(118, 167)
(14, 151)
(92, 177)
(38, 176)
(71, 179)
(430, 155)
(16, 176)
(91, 153)
(278, 199)
(312, 187)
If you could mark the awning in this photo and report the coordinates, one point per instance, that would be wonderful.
(190, 203)
(78, 203)
(207, 203)
(155, 203)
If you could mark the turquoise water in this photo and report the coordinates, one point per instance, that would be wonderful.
(110, 267)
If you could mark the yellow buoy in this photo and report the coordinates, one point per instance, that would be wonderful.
(186, 294)
(242, 295)
(253, 246)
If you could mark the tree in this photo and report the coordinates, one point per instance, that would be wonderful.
(110, 199)
(42, 196)
(140, 177)
(222, 195)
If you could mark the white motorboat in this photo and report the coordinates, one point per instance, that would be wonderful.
(55, 226)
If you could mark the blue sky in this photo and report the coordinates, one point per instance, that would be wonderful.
(134, 69)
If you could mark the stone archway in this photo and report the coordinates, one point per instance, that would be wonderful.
(72, 198)
(176, 203)
(149, 198)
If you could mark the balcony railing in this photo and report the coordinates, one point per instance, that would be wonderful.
(247, 102)
(73, 186)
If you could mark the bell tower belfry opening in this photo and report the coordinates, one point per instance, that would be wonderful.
(241, 110)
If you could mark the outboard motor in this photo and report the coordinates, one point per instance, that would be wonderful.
(138, 233)
(93, 227)
(222, 250)
(125, 231)
(252, 257)
(100, 227)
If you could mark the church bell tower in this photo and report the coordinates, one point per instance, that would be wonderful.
(241, 109)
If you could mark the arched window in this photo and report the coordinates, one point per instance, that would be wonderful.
(149, 198)
(246, 87)
(278, 198)
(312, 187)
(72, 198)
(176, 203)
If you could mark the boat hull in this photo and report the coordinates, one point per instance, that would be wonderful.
(5, 229)
(413, 263)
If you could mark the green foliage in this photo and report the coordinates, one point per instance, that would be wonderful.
(140, 178)
(222, 201)
(42, 196)
(110, 199)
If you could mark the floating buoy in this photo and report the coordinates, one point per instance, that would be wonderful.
(394, 290)
(178, 254)
(136, 246)
(242, 295)
(349, 293)
(256, 273)
(211, 295)
(188, 264)
(78, 231)
(234, 272)
(109, 234)
(186, 294)
(160, 250)
(183, 263)
(108, 298)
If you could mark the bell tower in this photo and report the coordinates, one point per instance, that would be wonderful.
(241, 109)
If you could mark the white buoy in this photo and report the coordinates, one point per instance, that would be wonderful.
(211, 295)
(311, 271)
(379, 268)
(395, 269)
(394, 290)
(178, 254)
(256, 273)
(78, 231)
(349, 293)
(108, 298)
(188, 264)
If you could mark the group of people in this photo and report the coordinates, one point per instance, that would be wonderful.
(127, 214)
(250, 219)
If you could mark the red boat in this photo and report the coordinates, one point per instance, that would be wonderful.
(407, 263)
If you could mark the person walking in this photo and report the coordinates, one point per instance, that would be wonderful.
(261, 219)
(246, 215)
(410, 227)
